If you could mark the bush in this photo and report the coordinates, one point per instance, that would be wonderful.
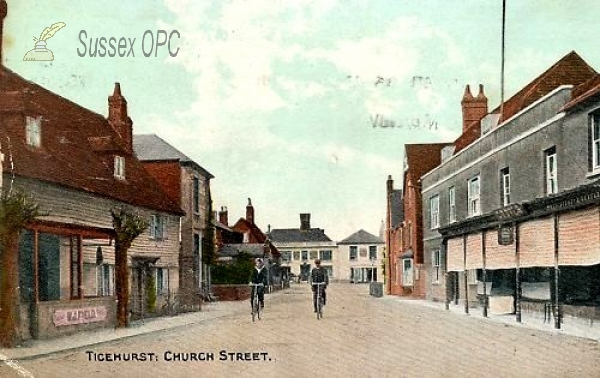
(234, 273)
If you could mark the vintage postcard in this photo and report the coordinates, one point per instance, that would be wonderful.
(252, 188)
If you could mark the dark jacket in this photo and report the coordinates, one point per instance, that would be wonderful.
(319, 275)
(259, 276)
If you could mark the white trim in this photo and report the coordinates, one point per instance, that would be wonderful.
(535, 103)
(493, 151)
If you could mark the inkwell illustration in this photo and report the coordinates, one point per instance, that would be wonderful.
(40, 52)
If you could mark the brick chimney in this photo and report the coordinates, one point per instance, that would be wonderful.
(250, 212)
(304, 221)
(3, 13)
(390, 185)
(473, 108)
(223, 216)
(118, 118)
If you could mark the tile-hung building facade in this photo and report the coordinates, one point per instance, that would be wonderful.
(518, 220)
(188, 185)
(360, 258)
(77, 166)
(299, 247)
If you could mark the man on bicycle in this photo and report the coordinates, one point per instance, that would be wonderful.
(319, 275)
(259, 275)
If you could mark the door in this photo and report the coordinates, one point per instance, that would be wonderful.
(407, 272)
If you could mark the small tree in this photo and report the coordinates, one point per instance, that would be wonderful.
(127, 227)
(16, 210)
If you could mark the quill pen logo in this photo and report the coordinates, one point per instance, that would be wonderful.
(40, 52)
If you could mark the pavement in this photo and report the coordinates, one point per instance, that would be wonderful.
(39, 348)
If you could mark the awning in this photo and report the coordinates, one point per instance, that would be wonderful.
(408, 254)
(579, 237)
(536, 243)
(455, 255)
(474, 255)
(498, 256)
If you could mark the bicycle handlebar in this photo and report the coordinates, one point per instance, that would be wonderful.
(253, 284)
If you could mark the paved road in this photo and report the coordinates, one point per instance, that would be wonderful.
(360, 336)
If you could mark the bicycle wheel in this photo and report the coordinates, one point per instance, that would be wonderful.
(253, 305)
(319, 308)
(257, 309)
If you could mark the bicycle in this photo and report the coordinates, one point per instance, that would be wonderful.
(320, 299)
(254, 303)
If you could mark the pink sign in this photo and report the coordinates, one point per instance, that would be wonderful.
(81, 315)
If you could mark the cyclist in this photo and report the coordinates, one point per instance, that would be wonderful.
(259, 275)
(319, 275)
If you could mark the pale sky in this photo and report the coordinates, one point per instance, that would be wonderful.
(277, 98)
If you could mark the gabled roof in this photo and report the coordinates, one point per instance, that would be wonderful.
(296, 235)
(422, 158)
(362, 237)
(254, 230)
(570, 70)
(151, 147)
(77, 147)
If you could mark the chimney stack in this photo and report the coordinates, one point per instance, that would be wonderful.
(390, 185)
(304, 221)
(3, 13)
(118, 118)
(473, 108)
(250, 212)
(223, 216)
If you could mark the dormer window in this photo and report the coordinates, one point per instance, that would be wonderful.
(33, 131)
(120, 167)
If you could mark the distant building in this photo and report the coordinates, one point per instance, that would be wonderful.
(188, 185)
(299, 247)
(360, 258)
(393, 239)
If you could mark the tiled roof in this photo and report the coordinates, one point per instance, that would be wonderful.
(256, 232)
(231, 250)
(422, 158)
(77, 147)
(583, 93)
(570, 70)
(151, 147)
(294, 235)
(362, 237)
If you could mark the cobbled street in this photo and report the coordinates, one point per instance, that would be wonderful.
(360, 336)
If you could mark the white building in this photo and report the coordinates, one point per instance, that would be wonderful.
(299, 247)
(360, 258)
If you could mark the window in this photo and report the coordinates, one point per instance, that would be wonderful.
(246, 237)
(409, 234)
(452, 203)
(353, 252)
(120, 167)
(474, 203)
(505, 186)
(551, 174)
(286, 256)
(33, 131)
(196, 189)
(595, 139)
(106, 280)
(296, 255)
(372, 252)
(197, 259)
(157, 227)
(314, 255)
(436, 265)
(434, 208)
(162, 283)
(304, 255)
(325, 255)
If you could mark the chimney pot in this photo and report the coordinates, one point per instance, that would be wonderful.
(250, 212)
(305, 221)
